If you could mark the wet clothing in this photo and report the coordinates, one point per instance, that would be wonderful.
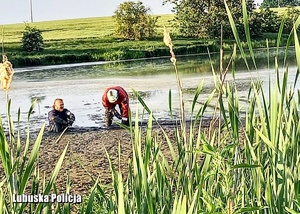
(122, 102)
(59, 120)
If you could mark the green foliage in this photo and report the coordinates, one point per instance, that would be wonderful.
(134, 22)
(32, 39)
(189, 16)
(269, 20)
(204, 19)
(20, 166)
(255, 26)
(114, 55)
(291, 17)
(279, 3)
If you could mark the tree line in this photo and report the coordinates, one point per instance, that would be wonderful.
(202, 19)
(205, 18)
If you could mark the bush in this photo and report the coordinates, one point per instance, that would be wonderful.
(32, 39)
(133, 22)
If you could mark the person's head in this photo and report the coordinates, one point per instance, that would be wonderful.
(112, 95)
(58, 104)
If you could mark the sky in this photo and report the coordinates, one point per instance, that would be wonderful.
(18, 11)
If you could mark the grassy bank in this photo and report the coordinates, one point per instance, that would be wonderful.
(93, 39)
(81, 40)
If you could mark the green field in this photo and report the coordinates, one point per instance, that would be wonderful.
(84, 28)
(283, 10)
(76, 40)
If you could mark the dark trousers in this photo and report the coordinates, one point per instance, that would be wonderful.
(57, 127)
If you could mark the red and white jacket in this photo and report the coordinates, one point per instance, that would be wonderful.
(122, 101)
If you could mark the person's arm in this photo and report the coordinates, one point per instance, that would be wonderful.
(53, 118)
(125, 111)
(116, 114)
(71, 117)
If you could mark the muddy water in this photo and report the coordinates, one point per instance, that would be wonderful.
(81, 86)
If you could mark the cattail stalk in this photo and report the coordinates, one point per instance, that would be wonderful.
(168, 42)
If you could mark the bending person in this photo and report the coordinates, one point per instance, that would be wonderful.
(60, 117)
(113, 96)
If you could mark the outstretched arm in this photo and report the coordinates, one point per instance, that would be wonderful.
(125, 112)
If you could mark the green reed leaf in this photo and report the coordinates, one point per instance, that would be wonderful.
(170, 103)
(89, 207)
(233, 61)
(5, 154)
(250, 209)
(291, 211)
(297, 49)
(191, 208)
(245, 166)
(31, 109)
(268, 52)
(265, 139)
(140, 99)
(235, 33)
(247, 31)
(279, 35)
(290, 39)
(32, 161)
(197, 93)
(208, 149)
(53, 177)
(121, 205)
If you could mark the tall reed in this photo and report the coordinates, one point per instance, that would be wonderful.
(20, 164)
(246, 164)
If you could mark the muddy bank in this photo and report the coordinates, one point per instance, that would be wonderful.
(86, 154)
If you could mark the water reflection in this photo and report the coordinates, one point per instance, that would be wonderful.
(81, 87)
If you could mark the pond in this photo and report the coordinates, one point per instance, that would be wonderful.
(81, 86)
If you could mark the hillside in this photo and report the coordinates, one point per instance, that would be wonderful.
(99, 27)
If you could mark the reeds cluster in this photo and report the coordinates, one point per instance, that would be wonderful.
(20, 160)
(245, 164)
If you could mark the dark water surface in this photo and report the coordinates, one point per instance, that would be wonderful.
(81, 86)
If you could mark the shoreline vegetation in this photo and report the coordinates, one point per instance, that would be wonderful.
(93, 40)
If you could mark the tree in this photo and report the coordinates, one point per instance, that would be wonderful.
(32, 39)
(269, 20)
(203, 18)
(133, 21)
(291, 17)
